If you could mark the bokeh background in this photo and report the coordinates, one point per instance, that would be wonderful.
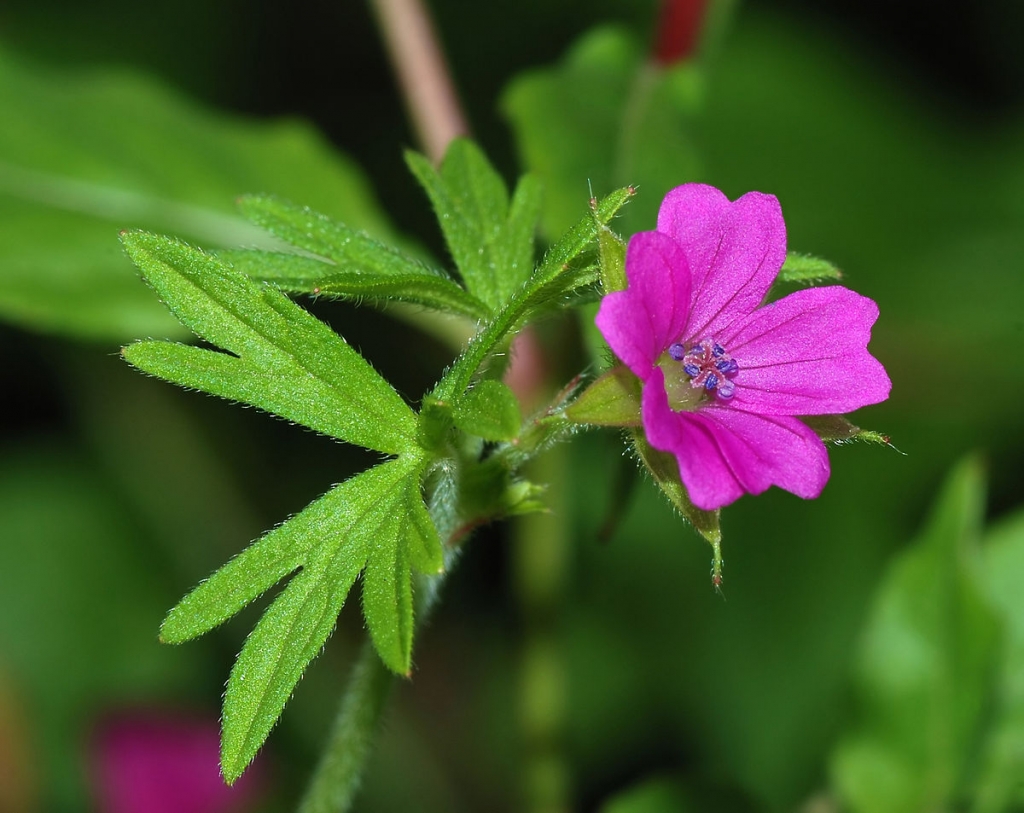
(835, 666)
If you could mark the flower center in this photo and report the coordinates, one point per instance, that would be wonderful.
(709, 368)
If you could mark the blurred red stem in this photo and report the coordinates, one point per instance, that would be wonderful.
(679, 26)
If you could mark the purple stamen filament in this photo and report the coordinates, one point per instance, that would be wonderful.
(708, 366)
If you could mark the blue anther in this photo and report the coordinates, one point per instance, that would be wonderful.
(727, 390)
(691, 370)
(727, 366)
(711, 382)
(676, 351)
(718, 350)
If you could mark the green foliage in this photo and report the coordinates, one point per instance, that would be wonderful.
(84, 155)
(925, 666)
(490, 237)
(348, 263)
(279, 357)
(807, 270)
(372, 523)
(1001, 766)
(608, 117)
(490, 411)
(612, 400)
(552, 279)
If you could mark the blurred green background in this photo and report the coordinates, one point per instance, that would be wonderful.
(861, 658)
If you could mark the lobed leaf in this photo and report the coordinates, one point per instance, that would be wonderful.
(283, 359)
(374, 523)
(491, 242)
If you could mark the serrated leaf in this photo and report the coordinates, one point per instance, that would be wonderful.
(924, 668)
(808, 270)
(89, 151)
(283, 359)
(491, 242)
(489, 410)
(367, 524)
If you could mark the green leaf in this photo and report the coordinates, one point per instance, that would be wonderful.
(924, 668)
(553, 277)
(612, 400)
(282, 358)
(608, 117)
(837, 430)
(373, 523)
(298, 274)
(808, 270)
(489, 410)
(1002, 763)
(348, 264)
(85, 154)
(490, 241)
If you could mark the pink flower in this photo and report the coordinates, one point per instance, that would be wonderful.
(723, 376)
(157, 762)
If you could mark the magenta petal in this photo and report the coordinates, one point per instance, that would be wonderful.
(806, 354)
(766, 450)
(641, 322)
(689, 436)
(734, 250)
(162, 763)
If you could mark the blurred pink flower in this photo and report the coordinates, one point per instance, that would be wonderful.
(155, 762)
(723, 376)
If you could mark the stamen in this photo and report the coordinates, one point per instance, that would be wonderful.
(708, 366)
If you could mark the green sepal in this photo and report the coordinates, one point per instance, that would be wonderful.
(837, 430)
(807, 270)
(612, 253)
(488, 410)
(612, 400)
(491, 240)
(280, 358)
(664, 469)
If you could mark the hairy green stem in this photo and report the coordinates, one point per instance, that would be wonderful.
(338, 775)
